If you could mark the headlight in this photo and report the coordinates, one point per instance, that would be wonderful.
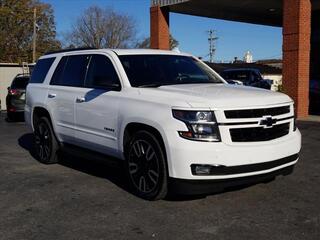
(202, 125)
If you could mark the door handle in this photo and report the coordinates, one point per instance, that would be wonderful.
(52, 95)
(80, 99)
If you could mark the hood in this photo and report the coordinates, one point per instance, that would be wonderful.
(216, 96)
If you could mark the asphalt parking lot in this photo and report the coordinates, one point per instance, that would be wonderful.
(81, 199)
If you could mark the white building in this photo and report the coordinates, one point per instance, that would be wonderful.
(7, 73)
(248, 58)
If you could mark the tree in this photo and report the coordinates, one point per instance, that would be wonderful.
(145, 43)
(16, 30)
(102, 28)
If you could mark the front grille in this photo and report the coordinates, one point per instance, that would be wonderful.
(257, 113)
(259, 134)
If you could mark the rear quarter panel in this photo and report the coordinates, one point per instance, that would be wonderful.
(36, 96)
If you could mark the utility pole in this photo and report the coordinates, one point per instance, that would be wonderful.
(212, 38)
(34, 35)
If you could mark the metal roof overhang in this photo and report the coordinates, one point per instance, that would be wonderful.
(265, 12)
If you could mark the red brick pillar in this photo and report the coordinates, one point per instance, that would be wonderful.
(296, 52)
(159, 28)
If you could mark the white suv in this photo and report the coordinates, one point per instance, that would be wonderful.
(173, 121)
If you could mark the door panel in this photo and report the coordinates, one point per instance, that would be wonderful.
(61, 101)
(96, 120)
(66, 82)
(96, 108)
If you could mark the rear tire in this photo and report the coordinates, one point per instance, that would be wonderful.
(11, 117)
(46, 144)
(146, 166)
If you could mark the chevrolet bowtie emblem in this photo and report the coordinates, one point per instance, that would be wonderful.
(268, 121)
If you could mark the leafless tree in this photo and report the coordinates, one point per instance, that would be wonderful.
(145, 43)
(102, 28)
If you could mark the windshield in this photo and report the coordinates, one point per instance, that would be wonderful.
(158, 70)
(20, 83)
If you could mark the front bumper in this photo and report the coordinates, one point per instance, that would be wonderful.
(182, 154)
(193, 187)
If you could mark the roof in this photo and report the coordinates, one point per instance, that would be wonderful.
(145, 51)
(269, 61)
(240, 69)
(264, 69)
(117, 51)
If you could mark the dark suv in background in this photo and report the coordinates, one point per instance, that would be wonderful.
(314, 95)
(16, 96)
(246, 76)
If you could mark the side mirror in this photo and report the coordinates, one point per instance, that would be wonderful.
(106, 84)
(113, 86)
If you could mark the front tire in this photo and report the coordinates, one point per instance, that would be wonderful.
(46, 144)
(146, 166)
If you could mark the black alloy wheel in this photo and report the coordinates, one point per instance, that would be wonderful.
(46, 145)
(146, 166)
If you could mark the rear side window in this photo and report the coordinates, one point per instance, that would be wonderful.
(71, 71)
(41, 69)
(101, 73)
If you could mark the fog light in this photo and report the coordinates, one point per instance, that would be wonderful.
(202, 169)
(205, 169)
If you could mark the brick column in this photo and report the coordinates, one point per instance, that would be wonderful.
(296, 52)
(159, 28)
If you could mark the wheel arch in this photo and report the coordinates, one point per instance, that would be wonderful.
(39, 112)
(132, 127)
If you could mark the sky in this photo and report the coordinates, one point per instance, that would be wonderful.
(235, 38)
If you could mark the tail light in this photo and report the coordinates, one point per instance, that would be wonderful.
(14, 92)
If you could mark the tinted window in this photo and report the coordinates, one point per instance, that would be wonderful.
(57, 75)
(71, 71)
(101, 73)
(256, 76)
(41, 69)
(20, 83)
(237, 75)
(157, 70)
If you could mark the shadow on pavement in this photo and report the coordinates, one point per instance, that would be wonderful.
(89, 166)
(111, 172)
(18, 117)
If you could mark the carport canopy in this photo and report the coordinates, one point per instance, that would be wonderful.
(269, 12)
(293, 15)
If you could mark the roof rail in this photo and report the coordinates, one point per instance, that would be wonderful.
(69, 50)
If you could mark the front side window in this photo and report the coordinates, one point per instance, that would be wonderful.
(71, 71)
(243, 76)
(256, 76)
(101, 73)
(158, 70)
